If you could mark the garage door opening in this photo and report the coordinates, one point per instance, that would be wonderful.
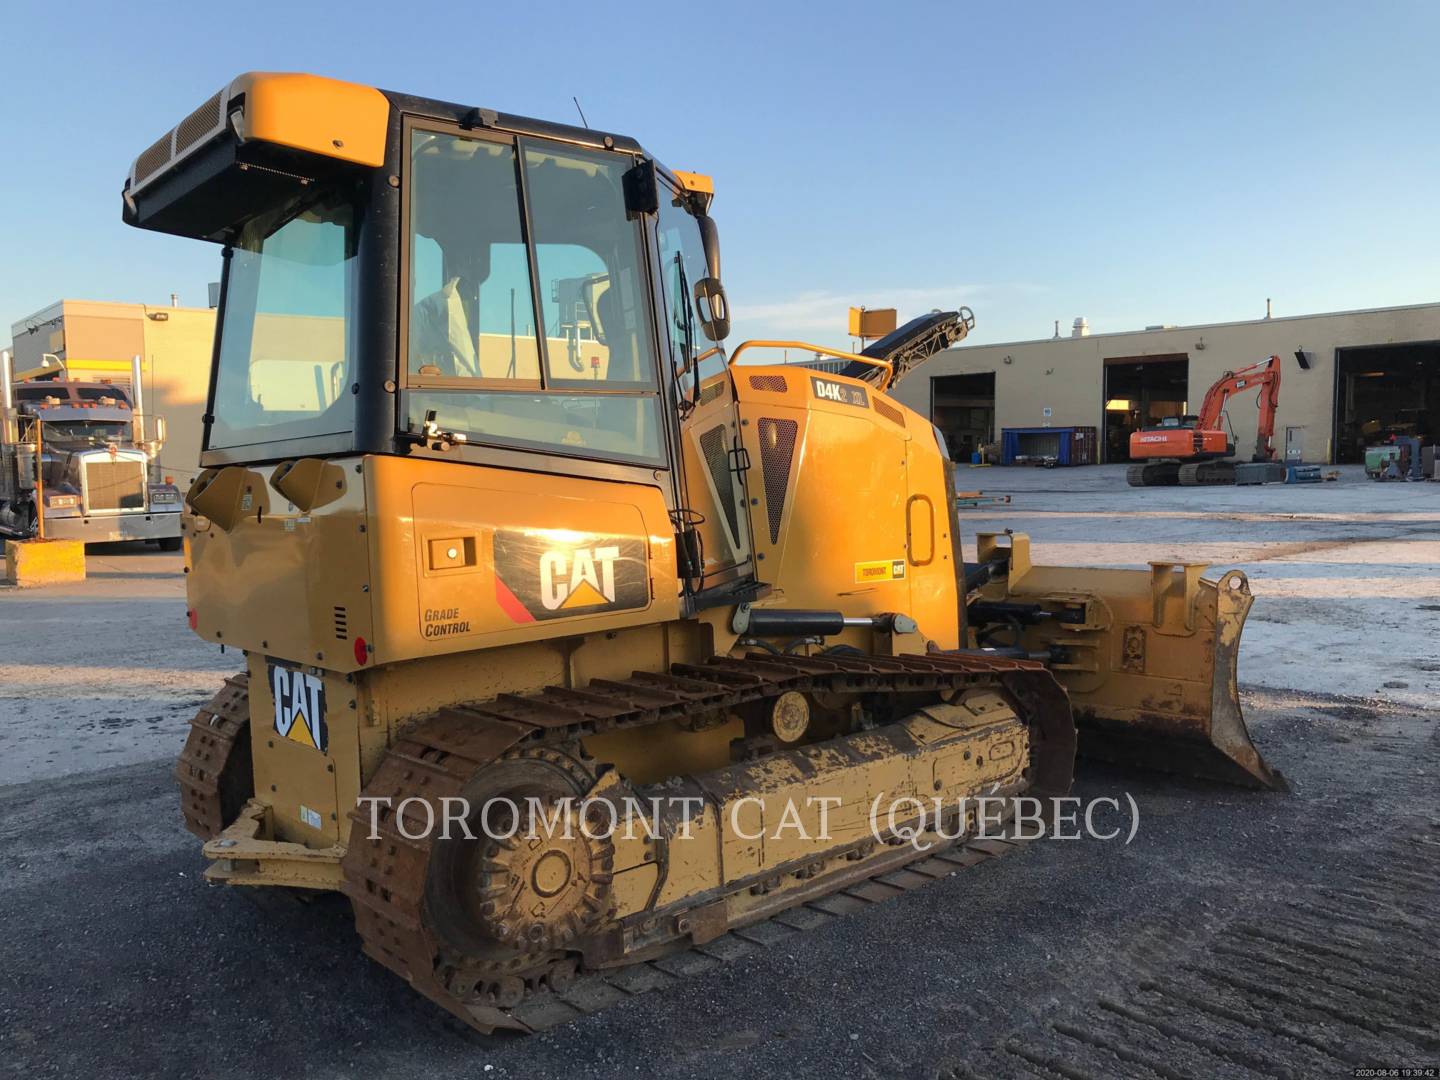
(1384, 390)
(1141, 391)
(963, 408)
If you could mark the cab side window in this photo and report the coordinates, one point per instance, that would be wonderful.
(472, 315)
(588, 259)
(567, 363)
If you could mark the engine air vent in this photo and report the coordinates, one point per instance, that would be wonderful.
(342, 623)
(885, 409)
(717, 458)
(775, 384)
(777, 451)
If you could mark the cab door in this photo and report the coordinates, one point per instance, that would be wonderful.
(712, 462)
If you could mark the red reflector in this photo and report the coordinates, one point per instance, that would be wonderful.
(193, 619)
(362, 651)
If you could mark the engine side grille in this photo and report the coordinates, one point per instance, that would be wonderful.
(711, 392)
(885, 409)
(712, 445)
(777, 450)
(114, 485)
(342, 623)
(775, 384)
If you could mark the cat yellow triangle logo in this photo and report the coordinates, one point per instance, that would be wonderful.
(300, 731)
(584, 595)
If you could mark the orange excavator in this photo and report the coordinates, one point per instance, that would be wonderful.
(1194, 450)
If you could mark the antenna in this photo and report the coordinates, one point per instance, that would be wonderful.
(581, 111)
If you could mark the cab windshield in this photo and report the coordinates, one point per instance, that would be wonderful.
(85, 434)
(286, 358)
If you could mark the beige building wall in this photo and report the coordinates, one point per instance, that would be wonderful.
(1067, 375)
(97, 339)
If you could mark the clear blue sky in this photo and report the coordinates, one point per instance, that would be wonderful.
(1133, 163)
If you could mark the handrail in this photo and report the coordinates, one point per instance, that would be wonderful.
(694, 365)
(836, 353)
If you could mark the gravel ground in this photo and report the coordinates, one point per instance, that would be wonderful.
(1240, 934)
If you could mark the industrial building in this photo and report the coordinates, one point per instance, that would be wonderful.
(91, 339)
(1350, 379)
(1367, 374)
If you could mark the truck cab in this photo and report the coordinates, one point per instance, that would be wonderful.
(74, 465)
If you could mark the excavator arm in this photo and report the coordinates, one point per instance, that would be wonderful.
(1266, 377)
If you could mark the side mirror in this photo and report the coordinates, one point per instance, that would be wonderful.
(714, 309)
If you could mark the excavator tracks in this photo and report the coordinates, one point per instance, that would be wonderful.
(1207, 473)
(385, 872)
(1153, 474)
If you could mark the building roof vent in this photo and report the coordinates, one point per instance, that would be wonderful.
(1081, 327)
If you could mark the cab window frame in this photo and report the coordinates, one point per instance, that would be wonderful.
(679, 376)
(411, 382)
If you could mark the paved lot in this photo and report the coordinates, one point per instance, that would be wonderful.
(1240, 934)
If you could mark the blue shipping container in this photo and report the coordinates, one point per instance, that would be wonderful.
(1057, 445)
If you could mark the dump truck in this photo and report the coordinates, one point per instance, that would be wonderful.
(75, 463)
(505, 532)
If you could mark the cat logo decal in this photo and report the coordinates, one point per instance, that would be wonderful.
(299, 706)
(552, 574)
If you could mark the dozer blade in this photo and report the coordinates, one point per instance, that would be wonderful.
(1148, 657)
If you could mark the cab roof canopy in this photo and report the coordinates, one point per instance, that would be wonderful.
(263, 138)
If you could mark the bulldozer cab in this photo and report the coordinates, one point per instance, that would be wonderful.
(499, 292)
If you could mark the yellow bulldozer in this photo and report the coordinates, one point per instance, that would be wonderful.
(509, 538)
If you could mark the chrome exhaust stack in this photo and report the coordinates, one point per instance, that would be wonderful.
(7, 398)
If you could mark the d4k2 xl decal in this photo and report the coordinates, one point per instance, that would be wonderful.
(539, 575)
(841, 393)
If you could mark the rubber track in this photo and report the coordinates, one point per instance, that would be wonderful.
(385, 877)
